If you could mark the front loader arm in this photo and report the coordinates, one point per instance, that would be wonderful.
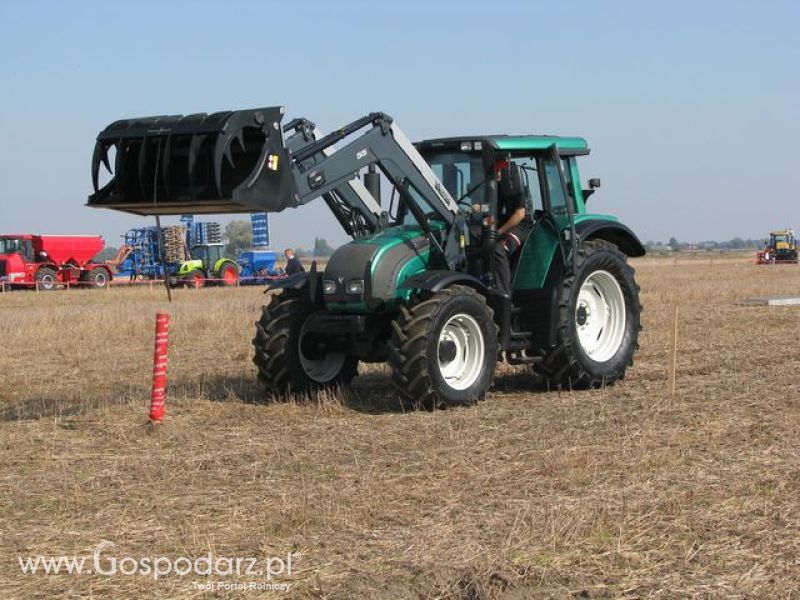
(385, 145)
(353, 206)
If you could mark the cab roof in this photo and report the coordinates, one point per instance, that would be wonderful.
(515, 144)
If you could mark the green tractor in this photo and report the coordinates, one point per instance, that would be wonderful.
(417, 286)
(208, 265)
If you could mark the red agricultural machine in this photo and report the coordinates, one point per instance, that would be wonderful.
(49, 261)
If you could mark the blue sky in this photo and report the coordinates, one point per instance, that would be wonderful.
(692, 109)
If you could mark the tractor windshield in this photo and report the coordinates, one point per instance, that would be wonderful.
(461, 173)
(10, 245)
(200, 253)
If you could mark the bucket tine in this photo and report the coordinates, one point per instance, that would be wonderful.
(142, 162)
(194, 150)
(240, 137)
(220, 151)
(96, 165)
(165, 165)
(118, 160)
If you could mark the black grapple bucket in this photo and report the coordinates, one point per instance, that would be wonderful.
(204, 163)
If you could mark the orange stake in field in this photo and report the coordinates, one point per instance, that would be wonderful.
(158, 393)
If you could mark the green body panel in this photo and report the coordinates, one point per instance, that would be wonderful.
(189, 266)
(539, 250)
(387, 239)
(219, 263)
(540, 142)
(197, 265)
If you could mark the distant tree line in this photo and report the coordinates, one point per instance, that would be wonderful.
(239, 237)
(673, 245)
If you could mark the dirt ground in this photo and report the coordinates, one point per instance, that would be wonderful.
(620, 492)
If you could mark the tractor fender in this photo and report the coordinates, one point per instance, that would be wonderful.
(610, 231)
(435, 280)
(292, 282)
(221, 263)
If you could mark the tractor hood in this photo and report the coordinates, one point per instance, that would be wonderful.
(224, 162)
(382, 261)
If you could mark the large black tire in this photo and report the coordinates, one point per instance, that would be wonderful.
(96, 278)
(282, 366)
(569, 365)
(228, 274)
(46, 279)
(419, 355)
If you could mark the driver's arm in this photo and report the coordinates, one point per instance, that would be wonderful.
(514, 220)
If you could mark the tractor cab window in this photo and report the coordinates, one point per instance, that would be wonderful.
(555, 191)
(214, 254)
(208, 254)
(461, 173)
(17, 246)
(406, 217)
(530, 173)
(9, 246)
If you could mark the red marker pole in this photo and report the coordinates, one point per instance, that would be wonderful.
(158, 393)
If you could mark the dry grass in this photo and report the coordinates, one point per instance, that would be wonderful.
(621, 492)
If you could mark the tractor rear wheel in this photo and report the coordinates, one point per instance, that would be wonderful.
(285, 351)
(229, 274)
(443, 350)
(46, 279)
(598, 321)
(96, 278)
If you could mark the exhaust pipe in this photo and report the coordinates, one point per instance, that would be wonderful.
(224, 162)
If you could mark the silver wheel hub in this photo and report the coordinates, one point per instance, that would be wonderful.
(320, 370)
(460, 351)
(600, 316)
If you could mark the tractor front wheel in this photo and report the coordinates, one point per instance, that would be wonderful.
(288, 356)
(46, 279)
(598, 321)
(443, 350)
(195, 280)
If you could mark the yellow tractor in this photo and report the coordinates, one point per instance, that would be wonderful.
(781, 247)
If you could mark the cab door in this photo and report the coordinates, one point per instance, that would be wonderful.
(558, 204)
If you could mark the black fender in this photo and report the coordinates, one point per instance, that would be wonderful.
(292, 282)
(310, 281)
(435, 280)
(611, 231)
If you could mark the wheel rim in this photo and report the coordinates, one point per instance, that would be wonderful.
(100, 280)
(600, 316)
(197, 282)
(461, 351)
(47, 281)
(229, 277)
(320, 370)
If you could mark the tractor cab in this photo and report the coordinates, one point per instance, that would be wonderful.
(481, 173)
(781, 247)
(208, 254)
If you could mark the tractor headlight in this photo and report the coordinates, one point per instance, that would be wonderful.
(328, 286)
(355, 286)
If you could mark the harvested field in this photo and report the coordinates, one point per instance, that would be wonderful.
(620, 492)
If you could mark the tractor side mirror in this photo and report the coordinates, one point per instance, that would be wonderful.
(594, 183)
